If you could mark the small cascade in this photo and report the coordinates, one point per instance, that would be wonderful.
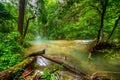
(42, 61)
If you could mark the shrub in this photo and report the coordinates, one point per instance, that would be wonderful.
(10, 50)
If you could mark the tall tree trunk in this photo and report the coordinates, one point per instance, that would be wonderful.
(115, 25)
(100, 32)
(21, 16)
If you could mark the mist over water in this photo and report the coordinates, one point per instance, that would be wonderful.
(75, 53)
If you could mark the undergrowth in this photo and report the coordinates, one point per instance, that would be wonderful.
(10, 50)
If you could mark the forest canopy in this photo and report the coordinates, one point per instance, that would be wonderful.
(65, 19)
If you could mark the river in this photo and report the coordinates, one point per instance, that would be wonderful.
(75, 53)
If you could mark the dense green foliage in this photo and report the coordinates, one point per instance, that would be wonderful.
(74, 19)
(10, 50)
(66, 19)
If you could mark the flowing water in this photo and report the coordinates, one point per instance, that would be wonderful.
(76, 53)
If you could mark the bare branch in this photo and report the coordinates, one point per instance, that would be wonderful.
(96, 8)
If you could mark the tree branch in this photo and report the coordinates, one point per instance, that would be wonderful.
(115, 25)
(96, 8)
(27, 24)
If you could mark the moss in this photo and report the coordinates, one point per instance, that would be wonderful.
(14, 71)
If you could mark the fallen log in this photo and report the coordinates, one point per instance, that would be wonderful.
(68, 67)
(10, 73)
(74, 70)
(42, 51)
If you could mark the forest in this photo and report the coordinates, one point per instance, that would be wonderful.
(59, 39)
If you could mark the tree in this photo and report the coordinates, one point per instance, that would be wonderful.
(21, 16)
(21, 30)
(103, 12)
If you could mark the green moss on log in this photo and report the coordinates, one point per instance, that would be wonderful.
(10, 73)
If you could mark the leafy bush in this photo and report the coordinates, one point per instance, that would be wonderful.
(10, 50)
(51, 74)
(26, 44)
